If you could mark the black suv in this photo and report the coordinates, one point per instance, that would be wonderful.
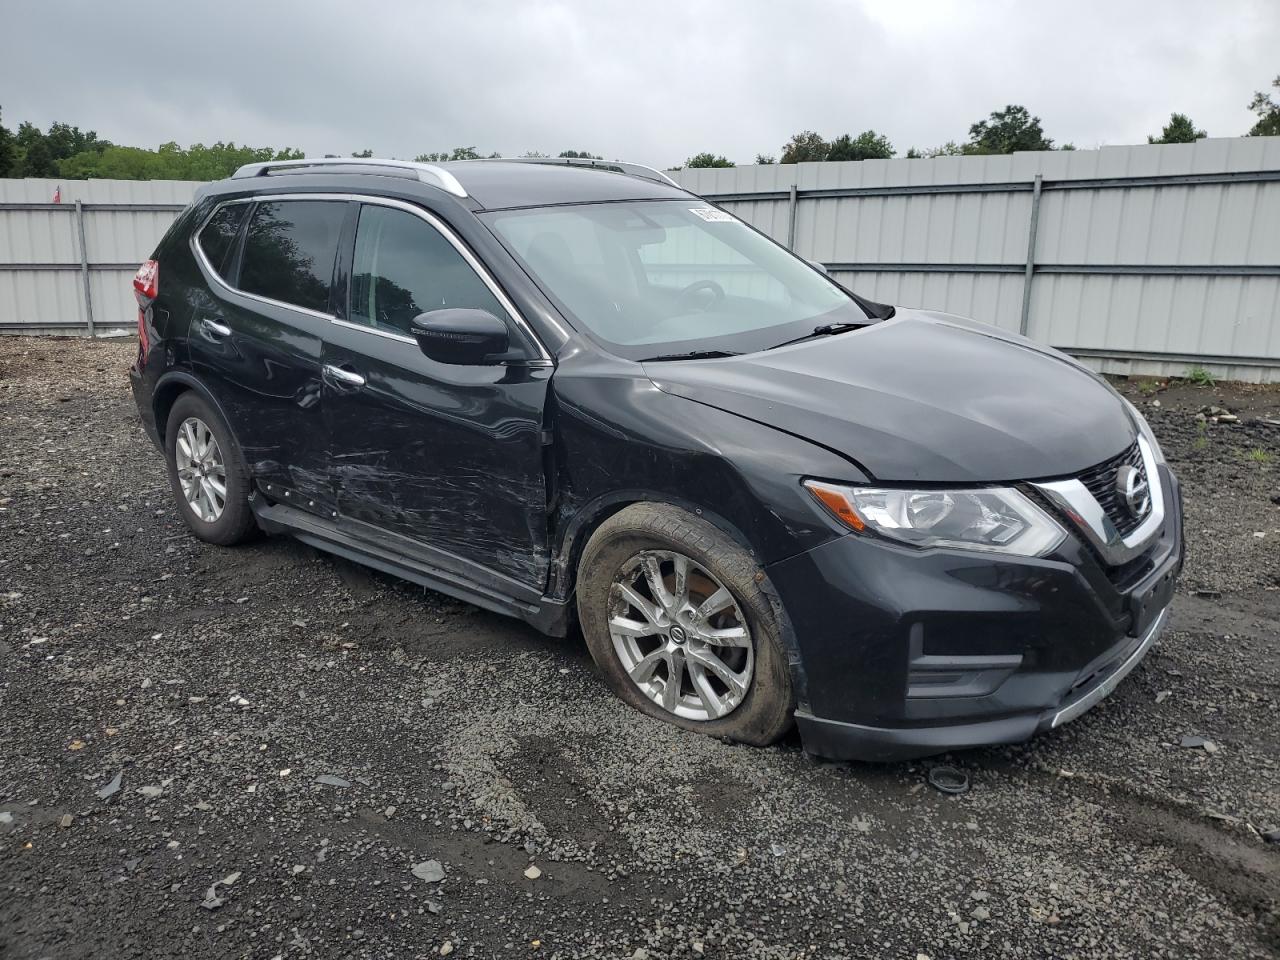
(577, 393)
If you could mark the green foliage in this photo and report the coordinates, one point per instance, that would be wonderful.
(805, 147)
(1268, 112)
(1148, 387)
(363, 154)
(948, 149)
(457, 153)
(535, 155)
(867, 145)
(1179, 129)
(7, 150)
(708, 160)
(168, 162)
(1200, 376)
(1259, 455)
(765, 159)
(577, 155)
(1006, 131)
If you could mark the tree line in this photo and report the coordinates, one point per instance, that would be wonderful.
(67, 151)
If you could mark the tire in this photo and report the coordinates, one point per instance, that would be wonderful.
(232, 521)
(626, 543)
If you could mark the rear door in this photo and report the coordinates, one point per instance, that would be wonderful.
(256, 339)
(446, 455)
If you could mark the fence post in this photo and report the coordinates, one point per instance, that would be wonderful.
(1024, 324)
(791, 219)
(84, 268)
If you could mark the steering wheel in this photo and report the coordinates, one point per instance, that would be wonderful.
(686, 295)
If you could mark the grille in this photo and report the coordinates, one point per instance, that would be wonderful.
(1101, 481)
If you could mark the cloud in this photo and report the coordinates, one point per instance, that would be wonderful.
(653, 82)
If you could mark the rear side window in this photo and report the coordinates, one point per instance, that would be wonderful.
(219, 236)
(290, 249)
(404, 267)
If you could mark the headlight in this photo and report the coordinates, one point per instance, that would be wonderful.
(996, 519)
(1144, 428)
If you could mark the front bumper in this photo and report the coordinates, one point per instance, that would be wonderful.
(906, 653)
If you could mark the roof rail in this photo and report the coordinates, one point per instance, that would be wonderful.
(616, 166)
(427, 173)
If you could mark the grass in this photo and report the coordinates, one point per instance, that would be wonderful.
(1202, 435)
(1200, 377)
(1259, 455)
(1148, 387)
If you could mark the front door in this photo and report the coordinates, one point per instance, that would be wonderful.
(448, 455)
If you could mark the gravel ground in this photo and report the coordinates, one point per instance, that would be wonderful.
(296, 739)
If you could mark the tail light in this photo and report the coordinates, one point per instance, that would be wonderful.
(146, 287)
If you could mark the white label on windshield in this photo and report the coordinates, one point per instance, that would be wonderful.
(712, 215)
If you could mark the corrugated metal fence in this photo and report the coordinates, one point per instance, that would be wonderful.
(66, 267)
(1142, 259)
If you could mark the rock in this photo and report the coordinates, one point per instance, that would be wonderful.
(230, 878)
(146, 682)
(533, 873)
(446, 948)
(979, 895)
(980, 913)
(329, 780)
(211, 899)
(112, 788)
(1272, 835)
(777, 849)
(1163, 695)
(151, 790)
(429, 870)
(65, 821)
(640, 954)
(1194, 742)
(6, 818)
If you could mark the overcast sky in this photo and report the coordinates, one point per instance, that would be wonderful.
(650, 81)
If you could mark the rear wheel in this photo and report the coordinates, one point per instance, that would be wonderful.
(675, 619)
(206, 472)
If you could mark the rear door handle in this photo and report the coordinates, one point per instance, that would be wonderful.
(215, 328)
(341, 378)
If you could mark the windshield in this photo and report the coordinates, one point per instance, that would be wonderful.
(659, 277)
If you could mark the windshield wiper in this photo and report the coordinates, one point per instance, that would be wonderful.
(823, 330)
(693, 355)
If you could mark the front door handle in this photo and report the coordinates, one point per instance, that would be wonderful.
(214, 328)
(340, 378)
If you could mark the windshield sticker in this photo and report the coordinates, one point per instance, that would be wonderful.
(712, 215)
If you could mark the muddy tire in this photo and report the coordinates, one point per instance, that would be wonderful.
(674, 617)
(207, 474)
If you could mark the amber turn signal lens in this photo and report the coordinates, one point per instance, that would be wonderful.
(838, 503)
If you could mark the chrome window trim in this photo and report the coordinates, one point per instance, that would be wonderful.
(435, 222)
(1074, 499)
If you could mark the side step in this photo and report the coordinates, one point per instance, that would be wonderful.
(547, 615)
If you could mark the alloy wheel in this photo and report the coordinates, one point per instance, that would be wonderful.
(680, 635)
(201, 469)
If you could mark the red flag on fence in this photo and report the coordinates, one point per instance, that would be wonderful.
(57, 194)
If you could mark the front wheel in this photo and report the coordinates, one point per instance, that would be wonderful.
(675, 619)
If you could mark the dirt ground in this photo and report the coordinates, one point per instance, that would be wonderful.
(295, 739)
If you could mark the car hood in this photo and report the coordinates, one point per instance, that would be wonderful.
(922, 397)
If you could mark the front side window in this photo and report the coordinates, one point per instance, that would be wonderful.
(403, 267)
(290, 250)
(659, 277)
(219, 236)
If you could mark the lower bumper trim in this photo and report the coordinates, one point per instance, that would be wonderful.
(837, 740)
(1104, 689)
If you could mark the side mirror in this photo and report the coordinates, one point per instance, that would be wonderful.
(820, 267)
(462, 336)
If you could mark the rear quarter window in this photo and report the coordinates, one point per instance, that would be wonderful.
(290, 250)
(218, 237)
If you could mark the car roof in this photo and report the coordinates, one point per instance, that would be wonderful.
(481, 184)
(501, 184)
